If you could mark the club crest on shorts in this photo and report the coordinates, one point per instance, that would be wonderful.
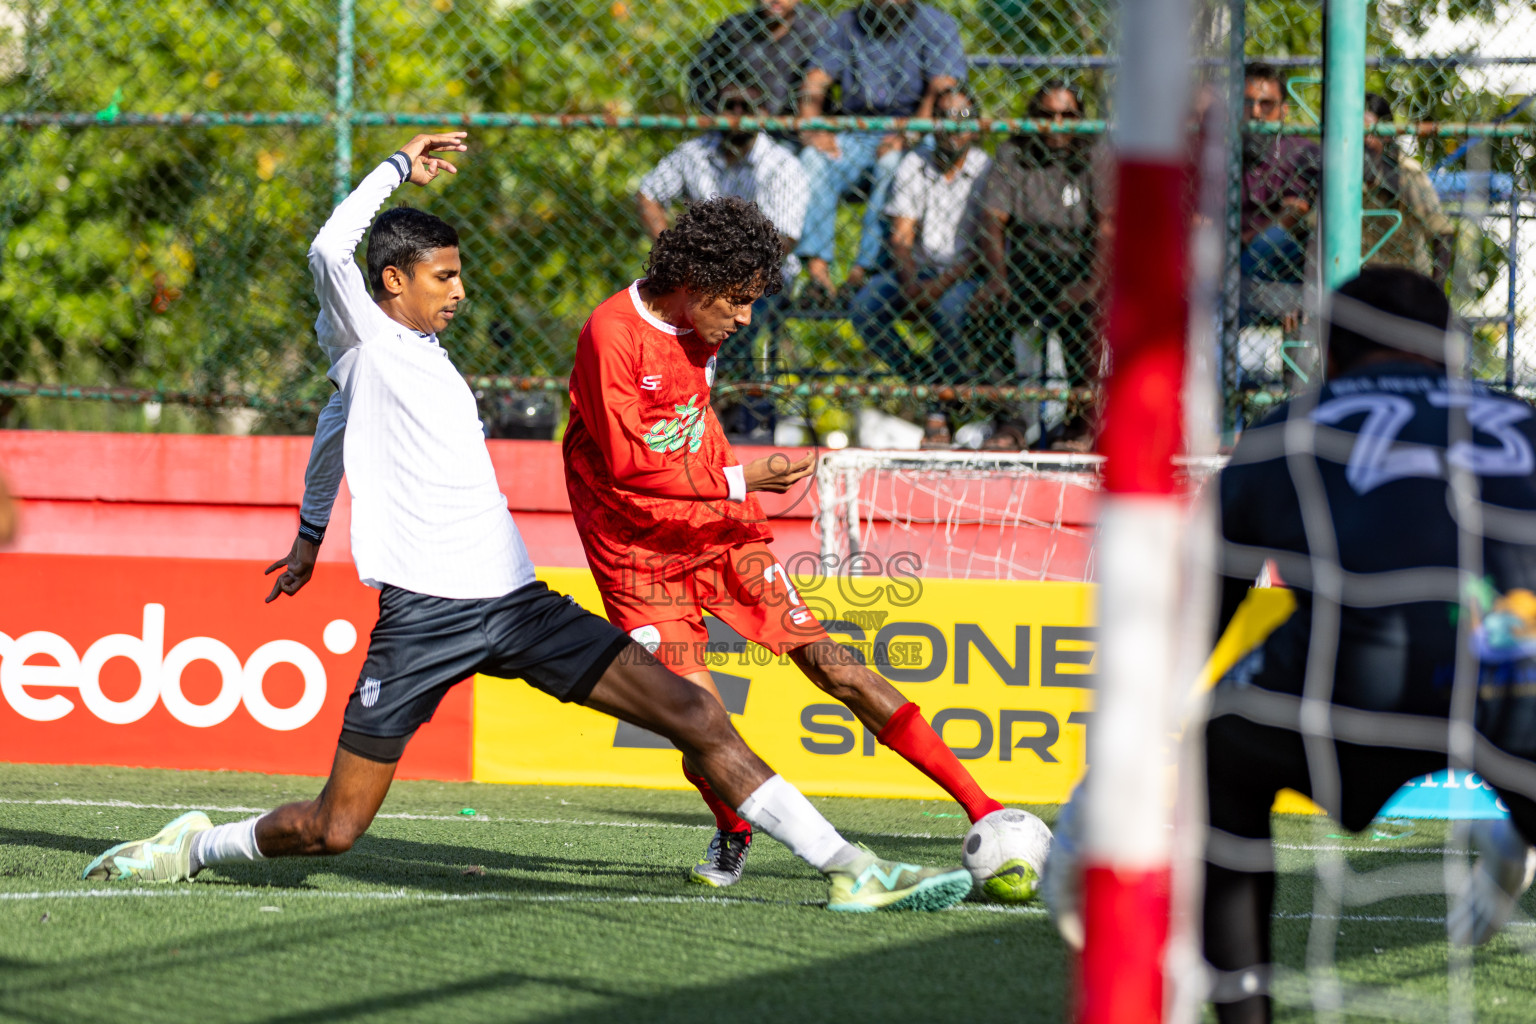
(370, 691)
(648, 637)
(709, 372)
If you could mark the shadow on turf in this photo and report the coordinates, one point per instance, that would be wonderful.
(954, 977)
(374, 861)
(927, 850)
(88, 845)
(440, 867)
(975, 977)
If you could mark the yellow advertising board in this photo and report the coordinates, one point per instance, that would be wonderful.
(1001, 669)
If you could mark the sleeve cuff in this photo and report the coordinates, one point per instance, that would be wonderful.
(310, 532)
(736, 481)
(402, 163)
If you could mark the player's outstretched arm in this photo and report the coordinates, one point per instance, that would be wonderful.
(778, 472)
(322, 481)
(322, 477)
(339, 284)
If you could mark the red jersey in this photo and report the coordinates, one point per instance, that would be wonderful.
(645, 457)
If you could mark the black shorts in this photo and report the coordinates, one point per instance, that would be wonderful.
(423, 645)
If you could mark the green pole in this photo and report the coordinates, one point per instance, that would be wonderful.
(346, 23)
(1343, 138)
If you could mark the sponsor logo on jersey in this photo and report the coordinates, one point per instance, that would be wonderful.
(370, 691)
(686, 428)
(651, 382)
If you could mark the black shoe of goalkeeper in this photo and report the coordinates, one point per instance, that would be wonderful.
(724, 860)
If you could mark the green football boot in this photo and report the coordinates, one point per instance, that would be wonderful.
(867, 883)
(165, 856)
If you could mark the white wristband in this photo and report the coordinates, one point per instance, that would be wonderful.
(736, 481)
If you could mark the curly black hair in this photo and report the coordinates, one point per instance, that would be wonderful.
(721, 246)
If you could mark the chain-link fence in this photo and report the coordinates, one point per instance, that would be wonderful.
(170, 163)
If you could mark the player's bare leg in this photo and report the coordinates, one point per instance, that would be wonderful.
(332, 822)
(638, 689)
(896, 722)
(324, 826)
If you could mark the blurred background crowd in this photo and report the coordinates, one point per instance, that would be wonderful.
(941, 288)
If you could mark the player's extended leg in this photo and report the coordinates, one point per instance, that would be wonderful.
(638, 689)
(896, 722)
(326, 825)
(332, 822)
(726, 856)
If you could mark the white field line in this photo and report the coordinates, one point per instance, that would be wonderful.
(239, 809)
(399, 895)
(1383, 919)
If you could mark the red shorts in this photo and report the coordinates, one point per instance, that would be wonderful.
(746, 588)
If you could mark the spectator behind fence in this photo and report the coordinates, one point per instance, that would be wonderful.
(1281, 174)
(770, 45)
(734, 163)
(935, 207)
(887, 58)
(1048, 208)
(1395, 182)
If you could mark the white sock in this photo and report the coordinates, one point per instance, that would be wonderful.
(235, 841)
(783, 812)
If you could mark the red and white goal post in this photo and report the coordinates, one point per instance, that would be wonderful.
(1127, 815)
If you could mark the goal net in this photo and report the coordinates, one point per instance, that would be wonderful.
(967, 515)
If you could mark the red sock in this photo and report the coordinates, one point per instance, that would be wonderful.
(910, 735)
(726, 818)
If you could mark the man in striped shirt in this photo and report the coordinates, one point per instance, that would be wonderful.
(431, 531)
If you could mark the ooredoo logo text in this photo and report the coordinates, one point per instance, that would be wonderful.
(160, 675)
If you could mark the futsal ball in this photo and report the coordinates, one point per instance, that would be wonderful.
(1005, 853)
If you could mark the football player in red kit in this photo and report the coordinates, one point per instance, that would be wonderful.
(666, 512)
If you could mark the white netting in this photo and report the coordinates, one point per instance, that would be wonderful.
(965, 515)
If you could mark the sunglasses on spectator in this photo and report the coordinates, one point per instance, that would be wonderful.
(738, 106)
(1056, 115)
(963, 114)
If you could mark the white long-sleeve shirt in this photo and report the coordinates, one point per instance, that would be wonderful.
(427, 513)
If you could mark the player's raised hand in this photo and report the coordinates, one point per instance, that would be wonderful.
(297, 566)
(777, 473)
(425, 166)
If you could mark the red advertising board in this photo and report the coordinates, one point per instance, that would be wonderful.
(178, 663)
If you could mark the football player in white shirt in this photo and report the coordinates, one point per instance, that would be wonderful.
(431, 530)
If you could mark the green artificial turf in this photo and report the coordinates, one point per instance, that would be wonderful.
(569, 904)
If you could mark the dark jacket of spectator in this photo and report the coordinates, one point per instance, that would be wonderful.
(742, 50)
(882, 56)
(1051, 204)
(1052, 201)
(1274, 167)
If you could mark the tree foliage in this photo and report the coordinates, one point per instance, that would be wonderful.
(174, 257)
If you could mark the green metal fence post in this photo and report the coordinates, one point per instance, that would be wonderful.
(346, 23)
(1232, 280)
(1343, 138)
